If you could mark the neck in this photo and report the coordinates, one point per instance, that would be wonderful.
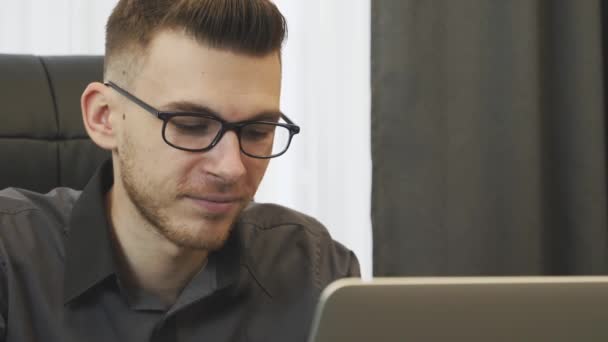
(147, 261)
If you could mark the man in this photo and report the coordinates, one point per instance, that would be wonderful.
(165, 243)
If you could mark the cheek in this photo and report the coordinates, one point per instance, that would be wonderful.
(151, 160)
(168, 169)
(256, 168)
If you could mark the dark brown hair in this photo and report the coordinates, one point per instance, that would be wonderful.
(251, 27)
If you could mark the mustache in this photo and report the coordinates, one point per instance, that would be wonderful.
(215, 186)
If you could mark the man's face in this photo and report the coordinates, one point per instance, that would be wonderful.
(192, 199)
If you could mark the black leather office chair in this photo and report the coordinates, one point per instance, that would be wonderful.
(43, 143)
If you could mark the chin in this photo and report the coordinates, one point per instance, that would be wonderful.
(210, 236)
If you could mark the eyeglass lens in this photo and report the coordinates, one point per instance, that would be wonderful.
(257, 139)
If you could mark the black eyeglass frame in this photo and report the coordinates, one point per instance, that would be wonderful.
(225, 125)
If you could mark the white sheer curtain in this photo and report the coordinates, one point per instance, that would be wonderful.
(326, 90)
(53, 27)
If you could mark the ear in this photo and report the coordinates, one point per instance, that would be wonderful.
(96, 109)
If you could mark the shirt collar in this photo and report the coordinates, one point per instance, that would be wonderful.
(90, 256)
(89, 247)
(235, 262)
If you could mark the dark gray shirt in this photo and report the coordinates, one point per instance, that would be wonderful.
(59, 281)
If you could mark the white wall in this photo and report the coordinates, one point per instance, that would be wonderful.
(326, 90)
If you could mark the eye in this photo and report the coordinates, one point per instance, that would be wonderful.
(258, 132)
(193, 125)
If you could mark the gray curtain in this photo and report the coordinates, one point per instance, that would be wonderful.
(488, 137)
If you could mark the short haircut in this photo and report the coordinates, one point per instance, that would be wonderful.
(250, 27)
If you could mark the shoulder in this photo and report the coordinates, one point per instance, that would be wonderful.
(279, 238)
(276, 223)
(28, 218)
(55, 203)
(267, 216)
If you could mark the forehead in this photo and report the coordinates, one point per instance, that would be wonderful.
(182, 69)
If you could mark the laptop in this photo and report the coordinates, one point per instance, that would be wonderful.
(471, 309)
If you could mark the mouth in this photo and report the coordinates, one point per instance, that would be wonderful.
(215, 204)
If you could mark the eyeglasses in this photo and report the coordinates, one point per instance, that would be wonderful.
(200, 132)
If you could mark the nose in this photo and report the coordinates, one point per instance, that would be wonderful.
(226, 158)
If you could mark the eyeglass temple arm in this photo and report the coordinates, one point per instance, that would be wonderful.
(295, 129)
(137, 101)
(288, 120)
(156, 113)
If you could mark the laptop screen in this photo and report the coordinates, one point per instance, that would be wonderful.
(463, 309)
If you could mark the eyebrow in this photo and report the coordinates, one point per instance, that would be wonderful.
(190, 107)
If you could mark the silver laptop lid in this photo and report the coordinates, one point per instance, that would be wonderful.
(463, 309)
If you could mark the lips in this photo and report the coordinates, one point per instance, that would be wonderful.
(215, 204)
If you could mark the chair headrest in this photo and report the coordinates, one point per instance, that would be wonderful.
(43, 143)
